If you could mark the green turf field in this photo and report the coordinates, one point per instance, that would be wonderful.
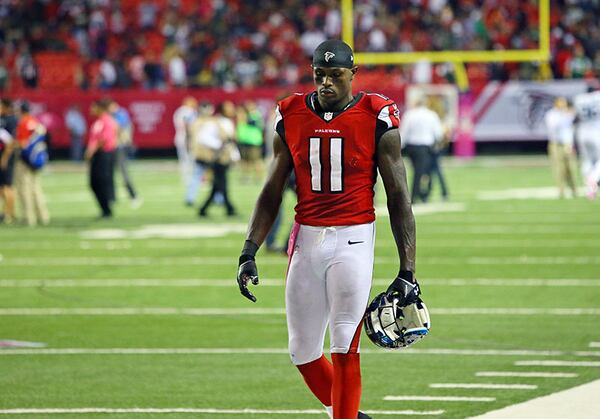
(145, 318)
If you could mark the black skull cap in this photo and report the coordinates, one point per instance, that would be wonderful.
(333, 53)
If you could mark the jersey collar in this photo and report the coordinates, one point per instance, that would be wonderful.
(313, 104)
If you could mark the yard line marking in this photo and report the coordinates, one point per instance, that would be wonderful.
(426, 209)
(587, 353)
(272, 282)
(546, 363)
(270, 260)
(594, 344)
(269, 351)
(172, 243)
(83, 410)
(139, 311)
(518, 311)
(236, 311)
(547, 192)
(133, 282)
(485, 386)
(526, 374)
(439, 398)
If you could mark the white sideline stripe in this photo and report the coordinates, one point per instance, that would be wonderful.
(594, 344)
(545, 363)
(199, 260)
(235, 311)
(577, 402)
(83, 410)
(271, 282)
(587, 353)
(439, 399)
(526, 374)
(267, 351)
(485, 386)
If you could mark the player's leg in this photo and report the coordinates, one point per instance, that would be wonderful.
(25, 190)
(569, 162)
(349, 280)
(594, 173)
(307, 312)
(39, 200)
(556, 165)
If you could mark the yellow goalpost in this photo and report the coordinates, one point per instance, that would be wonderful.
(458, 58)
(540, 54)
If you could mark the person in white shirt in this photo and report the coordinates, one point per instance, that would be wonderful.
(216, 136)
(420, 129)
(587, 107)
(183, 117)
(560, 125)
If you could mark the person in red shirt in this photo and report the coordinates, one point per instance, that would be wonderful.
(27, 183)
(334, 142)
(100, 151)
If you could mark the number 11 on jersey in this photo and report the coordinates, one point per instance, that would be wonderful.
(335, 164)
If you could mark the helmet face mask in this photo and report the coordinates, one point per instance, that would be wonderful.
(391, 326)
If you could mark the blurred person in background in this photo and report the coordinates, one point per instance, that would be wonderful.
(7, 198)
(559, 122)
(27, 182)
(420, 130)
(183, 118)
(587, 107)
(75, 123)
(249, 130)
(435, 170)
(8, 126)
(100, 152)
(205, 142)
(124, 149)
(225, 154)
(271, 239)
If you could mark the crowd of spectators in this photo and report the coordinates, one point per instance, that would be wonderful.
(157, 44)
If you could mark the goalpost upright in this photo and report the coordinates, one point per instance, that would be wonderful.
(542, 53)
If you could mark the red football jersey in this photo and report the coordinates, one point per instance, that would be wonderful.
(334, 155)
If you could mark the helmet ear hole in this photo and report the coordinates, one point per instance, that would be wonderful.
(389, 325)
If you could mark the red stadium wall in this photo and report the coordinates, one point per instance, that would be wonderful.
(151, 112)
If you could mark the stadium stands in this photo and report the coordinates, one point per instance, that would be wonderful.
(236, 43)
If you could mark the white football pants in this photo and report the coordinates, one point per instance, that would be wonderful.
(589, 154)
(328, 282)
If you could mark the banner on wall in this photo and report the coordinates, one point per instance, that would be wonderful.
(514, 111)
(511, 111)
(151, 112)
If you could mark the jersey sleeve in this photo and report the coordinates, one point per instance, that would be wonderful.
(388, 117)
(279, 129)
(5, 136)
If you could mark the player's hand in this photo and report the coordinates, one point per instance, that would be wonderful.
(247, 272)
(405, 288)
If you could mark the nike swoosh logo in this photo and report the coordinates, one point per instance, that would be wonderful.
(351, 242)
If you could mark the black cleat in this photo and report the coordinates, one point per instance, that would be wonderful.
(362, 415)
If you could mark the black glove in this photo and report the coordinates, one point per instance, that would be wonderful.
(405, 288)
(247, 270)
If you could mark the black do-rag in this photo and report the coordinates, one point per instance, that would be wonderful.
(333, 53)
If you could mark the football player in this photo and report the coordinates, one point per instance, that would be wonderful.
(335, 142)
(587, 106)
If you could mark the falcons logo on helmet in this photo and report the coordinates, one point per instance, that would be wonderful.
(328, 56)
